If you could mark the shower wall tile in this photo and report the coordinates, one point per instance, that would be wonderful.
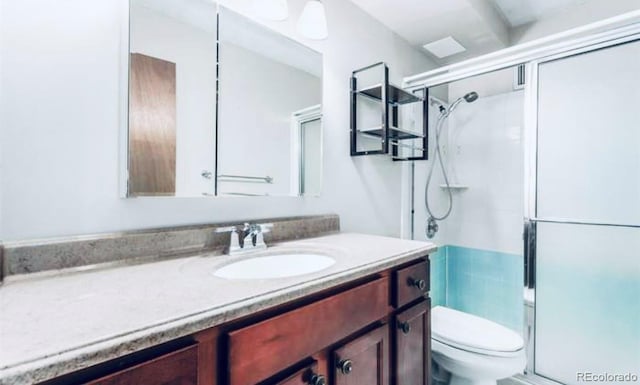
(438, 264)
(479, 270)
(485, 153)
(484, 283)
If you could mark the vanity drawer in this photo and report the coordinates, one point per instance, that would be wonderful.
(176, 368)
(411, 283)
(259, 350)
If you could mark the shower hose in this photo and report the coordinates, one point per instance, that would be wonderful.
(438, 156)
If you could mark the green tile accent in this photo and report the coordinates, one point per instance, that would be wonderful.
(438, 264)
(481, 282)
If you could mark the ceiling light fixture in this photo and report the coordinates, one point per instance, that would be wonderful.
(275, 10)
(313, 21)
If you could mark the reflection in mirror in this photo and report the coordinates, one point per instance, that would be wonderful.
(307, 149)
(269, 128)
(172, 98)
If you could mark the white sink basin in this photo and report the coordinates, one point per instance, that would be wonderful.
(275, 266)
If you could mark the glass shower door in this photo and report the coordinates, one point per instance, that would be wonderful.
(587, 216)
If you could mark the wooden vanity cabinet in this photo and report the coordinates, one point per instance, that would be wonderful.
(373, 331)
(258, 351)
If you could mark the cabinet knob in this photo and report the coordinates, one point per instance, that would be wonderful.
(405, 327)
(317, 379)
(345, 366)
(418, 283)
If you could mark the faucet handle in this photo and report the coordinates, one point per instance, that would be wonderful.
(234, 241)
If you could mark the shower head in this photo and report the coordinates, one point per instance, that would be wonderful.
(469, 98)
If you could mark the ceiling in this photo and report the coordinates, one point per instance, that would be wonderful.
(521, 12)
(481, 26)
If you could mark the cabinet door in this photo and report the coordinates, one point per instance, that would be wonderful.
(258, 351)
(365, 360)
(413, 345)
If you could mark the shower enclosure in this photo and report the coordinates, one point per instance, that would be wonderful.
(584, 214)
(571, 139)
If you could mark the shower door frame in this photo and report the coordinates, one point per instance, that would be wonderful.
(596, 36)
(531, 182)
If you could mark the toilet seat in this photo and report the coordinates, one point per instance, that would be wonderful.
(477, 366)
(484, 352)
(474, 334)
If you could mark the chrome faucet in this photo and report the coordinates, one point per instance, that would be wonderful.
(252, 237)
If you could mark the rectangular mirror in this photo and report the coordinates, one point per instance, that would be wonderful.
(269, 114)
(219, 105)
(172, 97)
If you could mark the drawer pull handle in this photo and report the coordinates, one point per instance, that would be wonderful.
(317, 379)
(345, 366)
(417, 283)
(405, 327)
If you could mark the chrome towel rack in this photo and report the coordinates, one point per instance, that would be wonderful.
(245, 179)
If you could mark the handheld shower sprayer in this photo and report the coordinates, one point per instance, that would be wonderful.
(469, 98)
(432, 226)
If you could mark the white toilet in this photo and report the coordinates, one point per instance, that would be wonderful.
(474, 350)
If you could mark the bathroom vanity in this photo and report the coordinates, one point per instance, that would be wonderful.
(374, 330)
(363, 320)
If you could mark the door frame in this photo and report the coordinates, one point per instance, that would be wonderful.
(298, 119)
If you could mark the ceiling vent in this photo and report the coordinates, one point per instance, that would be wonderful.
(444, 47)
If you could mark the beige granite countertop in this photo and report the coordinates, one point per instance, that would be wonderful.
(62, 323)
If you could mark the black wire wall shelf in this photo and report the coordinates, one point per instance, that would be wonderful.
(397, 133)
(401, 143)
(395, 94)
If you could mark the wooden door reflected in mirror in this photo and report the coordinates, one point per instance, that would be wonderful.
(152, 126)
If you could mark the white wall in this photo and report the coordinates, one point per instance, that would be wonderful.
(60, 117)
(486, 153)
(257, 99)
(194, 52)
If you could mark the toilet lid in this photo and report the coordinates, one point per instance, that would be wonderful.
(473, 333)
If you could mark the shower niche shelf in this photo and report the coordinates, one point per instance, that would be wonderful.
(389, 136)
